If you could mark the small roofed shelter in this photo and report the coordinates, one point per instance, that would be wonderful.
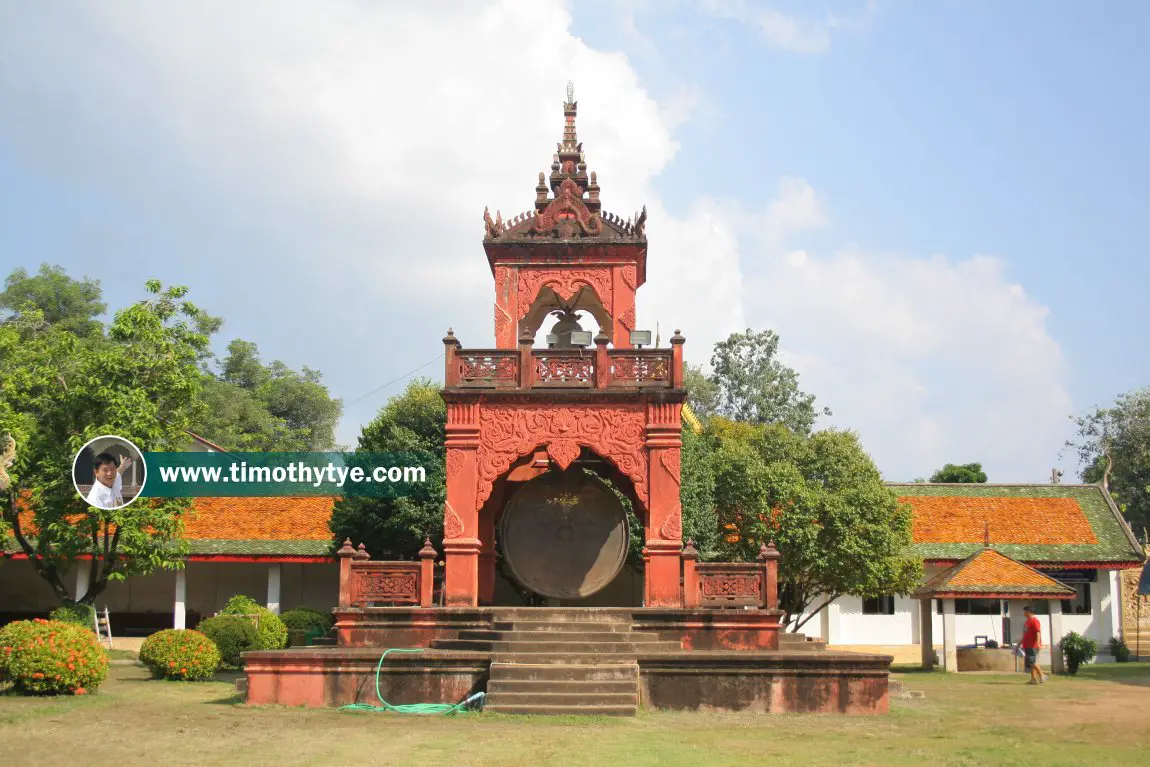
(987, 574)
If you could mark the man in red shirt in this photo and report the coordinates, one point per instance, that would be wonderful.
(1031, 644)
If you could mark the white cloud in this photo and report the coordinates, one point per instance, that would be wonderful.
(338, 156)
(931, 360)
(320, 172)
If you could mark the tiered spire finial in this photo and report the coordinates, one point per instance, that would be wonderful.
(569, 161)
(570, 146)
(567, 203)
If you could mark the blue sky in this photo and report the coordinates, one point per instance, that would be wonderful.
(1008, 128)
(939, 206)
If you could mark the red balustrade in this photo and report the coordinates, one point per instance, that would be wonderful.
(596, 368)
(497, 369)
(363, 583)
(564, 368)
(644, 367)
(731, 584)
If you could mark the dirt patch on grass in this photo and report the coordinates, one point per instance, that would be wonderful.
(1070, 702)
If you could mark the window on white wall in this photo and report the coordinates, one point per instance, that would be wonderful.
(878, 605)
(1080, 604)
(974, 607)
(1080, 581)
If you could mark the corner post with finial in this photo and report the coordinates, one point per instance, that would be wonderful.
(677, 342)
(526, 369)
(427, 573)
(769, 557)
(451, 367)
(345, 554)
(602, 361)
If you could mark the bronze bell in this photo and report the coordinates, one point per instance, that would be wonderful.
(563, 329)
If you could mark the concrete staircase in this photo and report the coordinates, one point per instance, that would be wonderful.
(547, 662)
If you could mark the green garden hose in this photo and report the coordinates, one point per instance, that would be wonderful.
(410, 708)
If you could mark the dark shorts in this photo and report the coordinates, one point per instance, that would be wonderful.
(1031, 656)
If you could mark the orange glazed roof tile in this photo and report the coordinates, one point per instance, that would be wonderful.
(1008, 520)
(989, 573)
(264, 527)
(268, 519)
(1051, 525)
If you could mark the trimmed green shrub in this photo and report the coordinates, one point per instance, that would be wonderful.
(80, 614)
(44, 657)
(1119, 650)
(180, 654)
(232, 635)
(307, 619)
(1077, 650)
(270, 630)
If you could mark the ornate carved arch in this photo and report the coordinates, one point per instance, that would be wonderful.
(565, 283)
(508, 432)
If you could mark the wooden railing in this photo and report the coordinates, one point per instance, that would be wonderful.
(364, 583)
(731, 584)
(597, 368)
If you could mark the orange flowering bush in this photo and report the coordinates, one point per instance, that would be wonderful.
(44, 657)
(181, 654)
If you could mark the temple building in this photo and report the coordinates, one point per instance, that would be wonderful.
(1075, 534)
(280, 551)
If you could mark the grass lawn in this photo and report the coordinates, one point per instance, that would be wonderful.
(1100, 717)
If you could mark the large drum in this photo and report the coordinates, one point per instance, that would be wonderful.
(564, 534)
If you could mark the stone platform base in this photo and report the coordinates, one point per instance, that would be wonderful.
(573, 660)
(701, 680)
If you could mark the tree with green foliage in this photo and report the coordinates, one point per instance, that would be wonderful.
(821, 499)
(748, 382)
(65, 303)
(697, 493)
(413, 423)
(256, 407)
(248, 406)
(702, 391)
(140, 380)
(971, 473)
(1113, 446)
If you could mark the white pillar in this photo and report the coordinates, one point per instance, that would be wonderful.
(1108, 607)
(926, 632)
(83, 570)
(274, 587)
(832, 634)
(179, 611)
(1056, 662)
(949, 637)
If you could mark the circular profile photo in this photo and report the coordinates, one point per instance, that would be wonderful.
(109, 472)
